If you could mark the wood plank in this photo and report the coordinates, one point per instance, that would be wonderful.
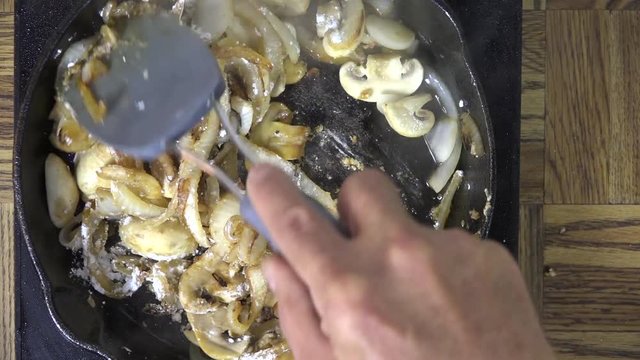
(532, 172)
(591, 291)
(533, 75)
(6, 44)
(7, 300)
(576, 129)
(6, 138)
(593, 4)
(7, 5)
(624, 89)
(531, 251)
(534, 4)
(569, 345)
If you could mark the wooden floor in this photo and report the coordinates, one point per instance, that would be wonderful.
(580, 175)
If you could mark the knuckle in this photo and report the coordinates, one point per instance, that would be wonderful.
(300, 220)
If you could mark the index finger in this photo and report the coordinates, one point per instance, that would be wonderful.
(308, 241)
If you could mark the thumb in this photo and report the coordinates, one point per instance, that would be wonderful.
(298, 317)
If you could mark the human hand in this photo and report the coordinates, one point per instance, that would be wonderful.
(395, 289)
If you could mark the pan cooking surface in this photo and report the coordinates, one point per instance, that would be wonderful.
(344, 129)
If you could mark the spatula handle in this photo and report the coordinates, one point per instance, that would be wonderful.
(249, 213)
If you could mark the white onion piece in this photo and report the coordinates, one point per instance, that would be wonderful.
(328, 17)
(212, 17)
(389, 33)
(288, 7)
(343, 41)
(291, 45)
(76, 52)
(441, 176)
(167, 241)
(62, 192)
(131, 204)
(89, 164)
(271, 45)
(442, 138)
(440, 213)
(471, 136)
(245, 111)
(303, 182)
(382, 7)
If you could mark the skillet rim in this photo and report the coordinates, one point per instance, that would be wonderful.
(21, 109)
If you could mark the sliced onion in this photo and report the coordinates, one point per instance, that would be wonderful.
(212, 17)
(62, 191)
(443, 137)
(166, 241)
(245, 111)
(343, 41)
(441, 176)
(289, 41)
(89, 164)
(288, 7)
(271, 44)
(328, 17)
(389, 33)
(74, 54)
(211, 340)
(471, 136)
(383, 7)
(133, 205)
(139, 181)
(440, 213)
(303, 182)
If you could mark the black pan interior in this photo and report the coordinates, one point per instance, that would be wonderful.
(121, 328)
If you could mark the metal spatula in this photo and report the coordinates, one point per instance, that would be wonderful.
(162, 80)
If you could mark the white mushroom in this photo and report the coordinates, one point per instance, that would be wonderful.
(389, 33)
(167, 241)
(384, 75)
(408, 118)
(62, 192)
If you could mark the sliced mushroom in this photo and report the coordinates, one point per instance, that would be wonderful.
(389, 33)
(288, 141)
(62, 191)
(440, 213)
(167, 241)
(408, 118)
(384, 75)
(344, 40)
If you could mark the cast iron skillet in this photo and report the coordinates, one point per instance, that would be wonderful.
(121, 329)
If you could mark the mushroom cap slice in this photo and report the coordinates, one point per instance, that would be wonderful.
(407, 117)
(166, 241)
(383, 75)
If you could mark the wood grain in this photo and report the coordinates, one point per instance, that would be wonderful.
(7, 300)
(533, 75)
(7, 6)
(623, 87)
(576, 129)
(592, 293)
(534, 4)
(593, 4)
(531, 248)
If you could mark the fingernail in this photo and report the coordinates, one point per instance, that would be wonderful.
(268, 268)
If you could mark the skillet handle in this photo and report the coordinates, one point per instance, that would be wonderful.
(249, 213)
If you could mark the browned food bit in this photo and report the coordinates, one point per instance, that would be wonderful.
(96, 108)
